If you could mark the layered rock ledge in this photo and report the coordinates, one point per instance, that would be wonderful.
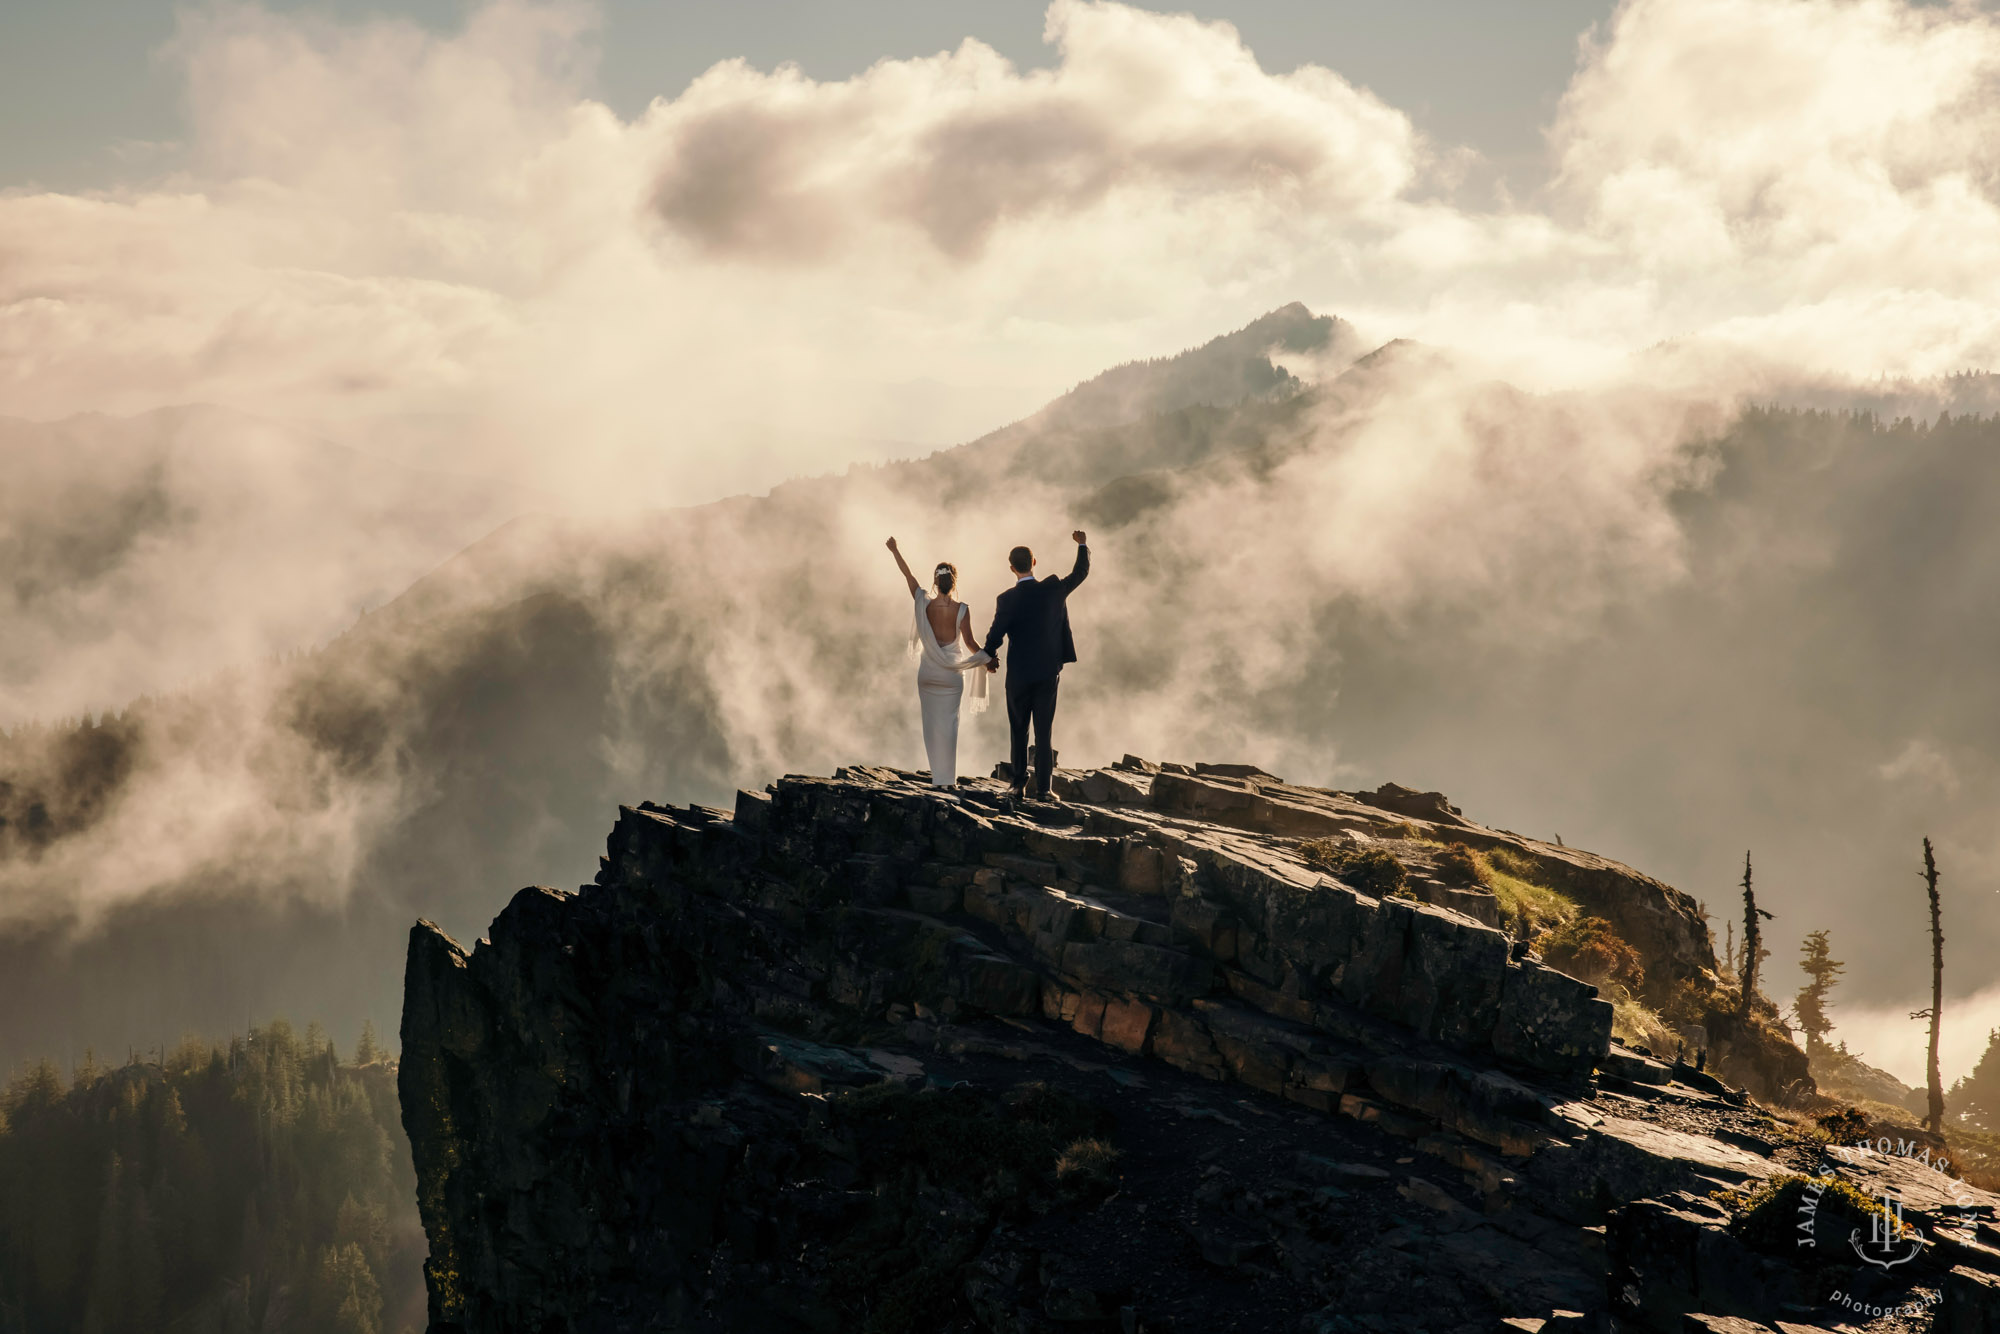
(860, 1055)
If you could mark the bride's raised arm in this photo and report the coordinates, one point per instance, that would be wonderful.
(904, 566)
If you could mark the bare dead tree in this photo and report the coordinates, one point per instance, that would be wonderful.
(1934, 1121)
(1753, 939)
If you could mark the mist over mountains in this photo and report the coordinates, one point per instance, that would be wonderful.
(156, 550)
(1663, 625)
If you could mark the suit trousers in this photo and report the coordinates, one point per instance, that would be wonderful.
(1032, 702)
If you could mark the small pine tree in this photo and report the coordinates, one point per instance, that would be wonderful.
(1976, 1097)
(1754, 952)
(344, 1297)
(1817, 963)
(366, 1050)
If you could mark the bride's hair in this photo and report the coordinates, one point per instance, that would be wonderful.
(945, 577)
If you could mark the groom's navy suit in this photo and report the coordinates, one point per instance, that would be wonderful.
(1034, 616)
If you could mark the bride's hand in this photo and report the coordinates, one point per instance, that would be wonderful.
(892, 544)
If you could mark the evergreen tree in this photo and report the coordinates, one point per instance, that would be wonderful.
(1976, 1097)
(1754, 952)
(1822, 969)
(367, 1051)
(125, 1278)
(345, 1299)
(258, 1185)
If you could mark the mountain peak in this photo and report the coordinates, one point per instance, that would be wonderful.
(1224, 371)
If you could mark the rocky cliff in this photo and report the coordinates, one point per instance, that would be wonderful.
(861, 1056)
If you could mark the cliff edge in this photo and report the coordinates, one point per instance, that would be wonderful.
(863, 1056)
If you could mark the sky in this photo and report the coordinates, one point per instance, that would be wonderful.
(83, 87)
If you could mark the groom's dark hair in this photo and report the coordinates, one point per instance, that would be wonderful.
(1021, 560)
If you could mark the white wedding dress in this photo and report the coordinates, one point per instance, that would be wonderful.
(941, 670)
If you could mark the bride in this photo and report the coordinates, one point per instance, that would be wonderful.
(941, 626)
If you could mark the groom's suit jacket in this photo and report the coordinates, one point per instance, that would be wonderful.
(1034, 616)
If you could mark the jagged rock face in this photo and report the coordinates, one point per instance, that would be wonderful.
(837, 1060)
(1663, 924)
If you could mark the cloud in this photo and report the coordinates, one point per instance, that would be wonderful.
(1148, 107)
(1809, 179)
(1886, 1037)
(1923, 766)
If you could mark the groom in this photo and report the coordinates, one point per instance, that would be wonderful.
(1035, 614)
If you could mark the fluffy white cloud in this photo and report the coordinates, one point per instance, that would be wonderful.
(1815, 180)
(1148, 107)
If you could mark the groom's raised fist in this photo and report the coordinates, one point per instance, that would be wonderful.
(1078, 537)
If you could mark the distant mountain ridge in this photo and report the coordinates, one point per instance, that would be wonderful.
(1222, 372)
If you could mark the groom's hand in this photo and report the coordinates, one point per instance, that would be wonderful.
(993, 665)
(1078, 536)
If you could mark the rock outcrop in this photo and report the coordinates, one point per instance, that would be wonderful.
(1664, 925)
(862, 1056)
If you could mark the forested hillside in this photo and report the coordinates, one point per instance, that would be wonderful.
(263, 1185)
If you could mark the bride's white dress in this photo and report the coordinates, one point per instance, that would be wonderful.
(941, 670)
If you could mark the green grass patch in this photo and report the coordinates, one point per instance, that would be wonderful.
(1788, 1213)
(1526, 906)
(1457, 865)
(1635, 1025)
(1375, 871)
